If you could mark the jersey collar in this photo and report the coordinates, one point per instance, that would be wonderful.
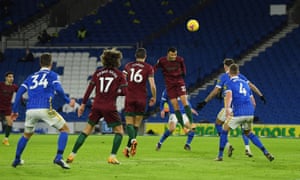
(44, 68)
(234, 77)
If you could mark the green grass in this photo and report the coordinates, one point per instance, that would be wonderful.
(172, 162)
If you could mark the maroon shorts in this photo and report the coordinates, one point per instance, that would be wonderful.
(176, 90)
(112, 118)
(5, 112)
(137, 106)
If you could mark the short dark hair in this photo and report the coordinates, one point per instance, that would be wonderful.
(140, 53)
(228, 61)
(45, 60)
(172, 49)
(234, 69)
(8, 73)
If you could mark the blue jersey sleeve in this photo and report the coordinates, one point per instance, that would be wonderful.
(164, 98)
(243, 77)
(18, 98)
(222, 80)
(58, 88)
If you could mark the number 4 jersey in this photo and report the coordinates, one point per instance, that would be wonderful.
(241, 96)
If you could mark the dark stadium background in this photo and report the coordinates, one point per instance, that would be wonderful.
(264, 42)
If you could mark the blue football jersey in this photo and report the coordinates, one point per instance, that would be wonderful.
(40, 86)
(225, 78)
(241, 93)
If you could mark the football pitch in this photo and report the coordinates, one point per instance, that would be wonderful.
(171, 162)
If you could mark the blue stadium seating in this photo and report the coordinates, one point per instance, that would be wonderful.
(20, 11)
(279, 65)
(227, 29)
(118, 25)
(275, 73)
(224, 32)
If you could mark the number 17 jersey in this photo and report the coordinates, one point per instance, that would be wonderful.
(109, 83)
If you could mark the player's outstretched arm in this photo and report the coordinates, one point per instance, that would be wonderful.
(14, 116)
(194, 112)
(162, 114)
(211, 95)
(153, 91)
(258, 92)
(81, 110)
(201, 105)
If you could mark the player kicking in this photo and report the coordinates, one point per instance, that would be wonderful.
(221, 115)
(239, 109)
(110, 83)
(41, 88)
(137, 73)
(173, 122)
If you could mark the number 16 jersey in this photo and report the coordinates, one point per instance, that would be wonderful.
(137, 76)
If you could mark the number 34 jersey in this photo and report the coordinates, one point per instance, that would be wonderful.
(137, 74)
(40, 86)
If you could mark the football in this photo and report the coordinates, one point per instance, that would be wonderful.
(192, 25)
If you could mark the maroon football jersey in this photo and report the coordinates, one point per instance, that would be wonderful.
(110, 83)
(6, 94)
(137, 76)
(173, 71)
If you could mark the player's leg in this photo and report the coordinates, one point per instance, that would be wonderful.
(255, 140)
(20, 148)
(246, 142)
(218, 126)
(61, 145)
(177, 112)
(113, 120)
(187, 108)
(221, 118)
(190, 133)
(2, 120)
(118, 130)
(55, 120)
(222, 142)
(129, 118)
(62, 141)
(7, 130)
(172, 126)
(137, 122)
(229, 124)
(81, 139)
(94, 118)
(28, 132)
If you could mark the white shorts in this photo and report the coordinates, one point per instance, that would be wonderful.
(34, 115)
(222, 115)
(173, 118)
(245, 122)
